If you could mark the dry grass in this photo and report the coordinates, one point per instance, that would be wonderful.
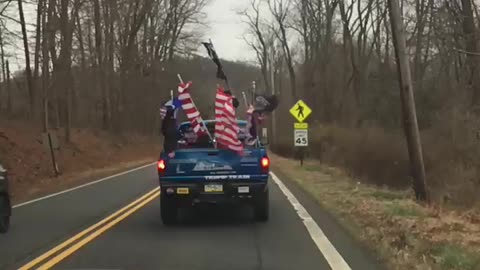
(379, 157)
(406, 234)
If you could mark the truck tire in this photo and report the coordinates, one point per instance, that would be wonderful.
(261, 207)
(4, 214)
(168, 210)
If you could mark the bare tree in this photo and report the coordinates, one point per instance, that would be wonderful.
(260, 39)
(470, 33)
(45, 67)
(280, 10)
(4, 72)
(28, 69)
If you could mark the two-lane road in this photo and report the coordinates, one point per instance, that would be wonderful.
(115, 223)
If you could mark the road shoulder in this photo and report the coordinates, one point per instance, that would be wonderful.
(406, 235)
(355, 253)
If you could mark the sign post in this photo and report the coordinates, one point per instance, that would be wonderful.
(300, 111)
(50, 141)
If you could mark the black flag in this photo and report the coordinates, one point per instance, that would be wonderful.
(214, 56)
(265, 103)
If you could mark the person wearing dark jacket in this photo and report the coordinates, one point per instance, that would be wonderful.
(169, 131)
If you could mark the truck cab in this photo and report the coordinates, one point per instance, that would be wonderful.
(199, 173)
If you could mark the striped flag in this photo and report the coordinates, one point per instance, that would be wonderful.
(226, 127)
(189, 108)
(220, 100)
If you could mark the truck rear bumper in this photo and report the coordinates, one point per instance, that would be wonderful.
(188, 193)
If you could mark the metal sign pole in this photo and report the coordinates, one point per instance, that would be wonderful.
(52, 153)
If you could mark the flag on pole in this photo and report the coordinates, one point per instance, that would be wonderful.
(172, 104)
(251, 126)
(220, 99)
(226, 127)
(189, 108)
(213, 54)
(265, 103)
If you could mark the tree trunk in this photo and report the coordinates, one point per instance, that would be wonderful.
(472, 47)
(52, 27)
(101, 68)
(45, 70)
(4, 74)
(408, 103)
(38, 41)
(31, 91)
(9, 91)
(65, 64)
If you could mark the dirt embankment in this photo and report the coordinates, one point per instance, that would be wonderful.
(89, 155)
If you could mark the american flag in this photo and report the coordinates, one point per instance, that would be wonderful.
(189, 108)
(226, 127)
(220, 100)
(171, 104)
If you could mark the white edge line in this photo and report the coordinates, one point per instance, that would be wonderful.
(333, 257)
(81, 186)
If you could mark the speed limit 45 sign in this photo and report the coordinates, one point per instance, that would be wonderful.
(301, 137)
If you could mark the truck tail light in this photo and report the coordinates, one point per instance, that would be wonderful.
(265, 162)
(161, 165)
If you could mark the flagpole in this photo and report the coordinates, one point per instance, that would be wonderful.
(226, 79)
(245, 99)
(203, 121)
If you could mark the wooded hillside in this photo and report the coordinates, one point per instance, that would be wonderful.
(107, 64)
(339, 57)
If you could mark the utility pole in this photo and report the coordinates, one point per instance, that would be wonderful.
(412, 132)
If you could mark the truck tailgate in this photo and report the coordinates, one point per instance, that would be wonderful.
(214, 164)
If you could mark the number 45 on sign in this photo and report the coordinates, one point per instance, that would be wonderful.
(301, 137)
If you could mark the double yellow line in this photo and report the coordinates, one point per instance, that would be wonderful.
(70, 246)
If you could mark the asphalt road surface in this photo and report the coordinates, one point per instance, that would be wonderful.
(115, 223)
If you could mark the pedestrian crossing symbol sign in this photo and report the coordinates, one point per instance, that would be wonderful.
(300, 111)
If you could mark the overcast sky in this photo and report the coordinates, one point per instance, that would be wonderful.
(225, 28)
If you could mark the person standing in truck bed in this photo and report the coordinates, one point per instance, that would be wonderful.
(169, 131)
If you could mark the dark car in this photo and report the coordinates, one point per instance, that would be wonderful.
(5, 206)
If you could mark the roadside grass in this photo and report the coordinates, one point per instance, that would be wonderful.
(454, 257)
(405, 234)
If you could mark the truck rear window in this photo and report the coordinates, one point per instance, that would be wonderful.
(188, 139)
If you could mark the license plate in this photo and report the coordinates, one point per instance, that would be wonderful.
(183, 191)
(213, 188)
(243, 189)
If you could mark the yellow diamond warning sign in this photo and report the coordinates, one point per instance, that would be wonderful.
(300, 111)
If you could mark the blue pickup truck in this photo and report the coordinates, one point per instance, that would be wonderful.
(199, 173)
